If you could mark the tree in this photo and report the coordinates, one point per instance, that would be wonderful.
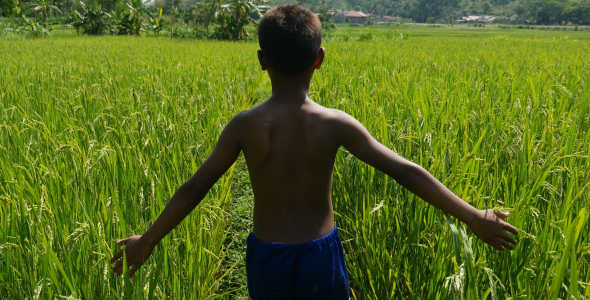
(108, 5)
(34, 29)
(431, 8)
(44, 7)
(323, 11)
(579, 13)
(156, 23)
(486, 8)
(91, 20)
(232, 17)
(10, 8)
(546, 11)
(169, 5)
(129, 17)
(65, 6)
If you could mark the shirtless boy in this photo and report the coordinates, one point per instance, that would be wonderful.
(290, 144)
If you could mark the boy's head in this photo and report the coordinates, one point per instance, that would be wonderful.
(290, 37)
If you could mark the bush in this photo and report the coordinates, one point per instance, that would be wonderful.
(91, 20)
(35, 29)
(185, 32)
(394, 35)
(365, 36)
(232, 18)
(129, 18)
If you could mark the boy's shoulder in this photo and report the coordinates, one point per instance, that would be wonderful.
(263, 112)
(331, 125)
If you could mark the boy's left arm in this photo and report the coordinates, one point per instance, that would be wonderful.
(139, 248)
(486, 224)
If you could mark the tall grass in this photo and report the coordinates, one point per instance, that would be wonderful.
(97, 133)
(504, 125)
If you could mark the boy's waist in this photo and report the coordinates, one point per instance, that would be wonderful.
(292, 233)
(324, 240)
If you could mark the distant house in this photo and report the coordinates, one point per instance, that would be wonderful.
(389, 19)
(357, 17)
(478, 19)
(514, 17)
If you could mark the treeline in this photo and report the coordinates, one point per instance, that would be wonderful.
(227, 18)
(215, 19)
(545, 12)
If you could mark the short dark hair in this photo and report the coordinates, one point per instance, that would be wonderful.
(290, 37)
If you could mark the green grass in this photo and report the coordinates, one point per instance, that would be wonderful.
(97, 133)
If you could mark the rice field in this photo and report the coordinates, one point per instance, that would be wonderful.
(96, 133)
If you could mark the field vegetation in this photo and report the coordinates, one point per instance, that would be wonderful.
(96, 133)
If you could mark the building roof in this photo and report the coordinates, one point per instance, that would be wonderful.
(477, 19)
(357, 14)
(389, 18)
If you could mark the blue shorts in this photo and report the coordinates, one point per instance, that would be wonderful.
(312, 270)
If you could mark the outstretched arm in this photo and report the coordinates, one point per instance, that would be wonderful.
(485, 223)
(185, 199)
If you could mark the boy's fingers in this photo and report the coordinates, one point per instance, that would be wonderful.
(497, 246)
(123, 241)
(505, 236)
(118, 265)
(134, 269)
(505, 244)
(117, 256)
(510, 228)
(501, 215)
(117, 271)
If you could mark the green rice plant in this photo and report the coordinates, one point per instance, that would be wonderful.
(367, 36)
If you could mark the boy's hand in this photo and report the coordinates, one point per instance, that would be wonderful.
(137, 252)
(489, 228)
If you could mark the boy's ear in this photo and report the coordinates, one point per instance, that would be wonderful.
(262, 61)
(320, 59)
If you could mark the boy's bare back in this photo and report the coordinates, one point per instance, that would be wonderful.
(290, 146)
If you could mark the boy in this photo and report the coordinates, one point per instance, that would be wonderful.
(290, 144)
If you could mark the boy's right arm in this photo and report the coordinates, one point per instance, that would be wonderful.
(484, 223)
(139, 248)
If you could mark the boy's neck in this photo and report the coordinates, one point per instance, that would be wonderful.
(290, 88)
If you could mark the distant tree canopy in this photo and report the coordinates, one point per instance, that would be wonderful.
(10, 8)
(549, 11)
(543, 12)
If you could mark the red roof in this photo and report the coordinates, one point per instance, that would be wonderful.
(357, 14)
